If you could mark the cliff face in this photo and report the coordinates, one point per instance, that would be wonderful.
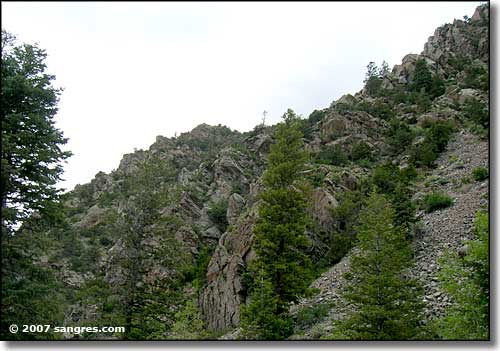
(461, 40)
(175, 222)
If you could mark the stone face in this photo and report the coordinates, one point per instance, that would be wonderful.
(220, 300)
(460, 38)
(234, 207)
(93, 217)
(323, 203)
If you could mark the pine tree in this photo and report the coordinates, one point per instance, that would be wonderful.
(146, 302)
(422, 77)
(31, 154)
(259, 319)
(387, 304)
(280, 239)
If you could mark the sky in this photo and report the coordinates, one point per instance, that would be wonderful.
(132, 71)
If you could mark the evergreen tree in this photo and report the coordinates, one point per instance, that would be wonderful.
(146, 302)
(387, 304)
(31, 153)
(373, 81)
(422, 77)
(280, 241)
(259, 319)
(466, 280)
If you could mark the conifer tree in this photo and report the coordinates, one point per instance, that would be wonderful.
(280, 241)
(387, 304)
(31, 144)
(422, 77)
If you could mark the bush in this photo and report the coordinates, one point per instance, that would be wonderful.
(386, 177)
(424, 154)
(480, 173)
(399, 135)
(439, 133)
(436, 201)
(334, 155)
(310, 315)
(477, 112)
(316, 116)
(217, 214)
(476, 77)
(361, 151)
(437, 136)
(377, 109)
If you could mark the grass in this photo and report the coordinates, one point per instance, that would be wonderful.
(480, 173)
(436, 201)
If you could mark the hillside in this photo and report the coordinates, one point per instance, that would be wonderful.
(162, 244)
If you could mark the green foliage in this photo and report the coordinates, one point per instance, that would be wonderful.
(459, 63)
(480, 173)
(466, 280)
(361, 151)
(317, 116)
(188, 323)
(31, 154)
(422, 77)
(477, 112)
(424, 154)
(386, 177)
(259, 320)
(197, 273)
(31, 292)
(217, 212)
(379, 109)
(387, 304)
(399, 136)
(310, 315)
(437, 200)
(373, 80)
(394, 182)
(280, 242)
(345, 219)
(476, 77)
(333, 155)
(437, 135)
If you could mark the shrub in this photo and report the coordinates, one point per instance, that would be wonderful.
(361, 151)
(436, 201)
(480, 173)
(316, 116)
(424, 154)
(399, 135)
(437, 136)
(217, 214)
(386, 177)
(476, 77)
(377, 109)
(477, 112)
(310, 315)
(334, 155)
(439, 133)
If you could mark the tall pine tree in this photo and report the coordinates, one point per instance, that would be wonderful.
(280, 239)
(387, 304)
(31, 144)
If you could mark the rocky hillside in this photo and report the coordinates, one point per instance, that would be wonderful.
(168, 235)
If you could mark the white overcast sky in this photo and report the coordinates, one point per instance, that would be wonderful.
(132, 71)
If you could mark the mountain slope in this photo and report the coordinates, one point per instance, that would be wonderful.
(164, 240)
